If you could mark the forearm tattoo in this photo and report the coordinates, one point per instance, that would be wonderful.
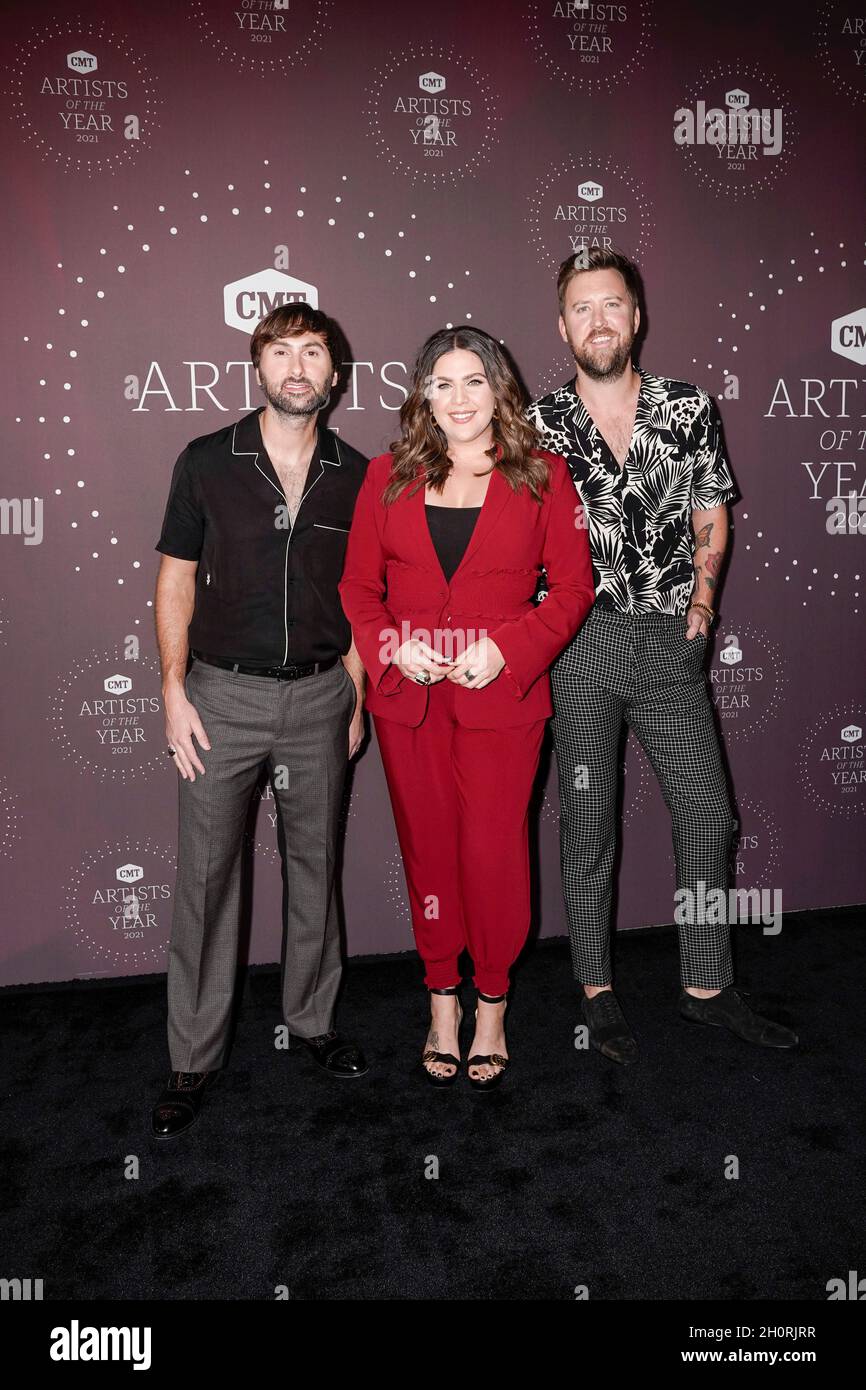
(708, 571)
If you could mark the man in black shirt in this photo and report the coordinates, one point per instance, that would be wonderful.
(252, 546)
(649, 465)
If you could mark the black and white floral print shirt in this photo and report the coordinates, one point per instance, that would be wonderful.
(640, 531)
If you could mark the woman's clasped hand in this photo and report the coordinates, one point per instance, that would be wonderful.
(479, 664)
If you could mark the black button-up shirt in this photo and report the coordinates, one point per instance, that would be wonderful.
(640, 532)
(266, 591)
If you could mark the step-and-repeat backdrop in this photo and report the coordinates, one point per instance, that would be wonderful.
(172, 170)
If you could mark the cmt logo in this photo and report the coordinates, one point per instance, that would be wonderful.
(731, 654)
(117, 685)
(739, 125)
(247, 301)
(852, 733)
(848, 336)
(431, 82)
(81, 61)
(129, 873)
(589, 191)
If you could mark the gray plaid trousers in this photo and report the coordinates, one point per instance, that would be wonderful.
(253, 722)
(641, 669)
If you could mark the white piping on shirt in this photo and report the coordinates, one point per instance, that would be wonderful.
(254, 453)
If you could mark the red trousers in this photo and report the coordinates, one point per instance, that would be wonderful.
(461, 800)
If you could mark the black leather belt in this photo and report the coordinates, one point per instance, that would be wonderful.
(278, 673)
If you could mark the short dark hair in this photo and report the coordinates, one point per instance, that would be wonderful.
(290, 321)
(598, 258)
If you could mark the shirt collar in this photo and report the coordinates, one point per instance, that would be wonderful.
(650, 394)
(248, 439)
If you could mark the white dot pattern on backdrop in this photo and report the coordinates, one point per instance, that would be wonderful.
(751, 811)
(348, 808)
(544, 44)
(96, 34)
(754, 313)
(825, 732)
(113, 856)
(758, 649)
(60, 718)
(762, 93)
(406, 253)
(266, 59)
(831, 11)
(10, 820)
(269, 854)
(638, 234)
(562, 368)
(394, 884)
(413, 59)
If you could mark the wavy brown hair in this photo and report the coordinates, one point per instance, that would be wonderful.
(424, 446)
(290, 321)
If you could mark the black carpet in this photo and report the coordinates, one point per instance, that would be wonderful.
(574, 1172)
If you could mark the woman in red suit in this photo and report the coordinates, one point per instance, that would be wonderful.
(448, 538)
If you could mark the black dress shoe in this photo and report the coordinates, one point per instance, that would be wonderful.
(334, 1054)
(608, 1030)
(180, 1102)
(728, 1009)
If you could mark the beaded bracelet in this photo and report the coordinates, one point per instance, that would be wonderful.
(702, 607)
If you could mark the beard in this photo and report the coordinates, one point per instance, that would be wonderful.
(606, 365)
(303, 405)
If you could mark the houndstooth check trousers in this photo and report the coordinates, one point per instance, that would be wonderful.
(641, 669)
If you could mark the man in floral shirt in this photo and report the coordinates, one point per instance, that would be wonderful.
(648, 461)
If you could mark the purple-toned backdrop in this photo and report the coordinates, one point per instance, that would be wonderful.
(172, 169)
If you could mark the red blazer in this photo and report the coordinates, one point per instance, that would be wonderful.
(393, 585)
